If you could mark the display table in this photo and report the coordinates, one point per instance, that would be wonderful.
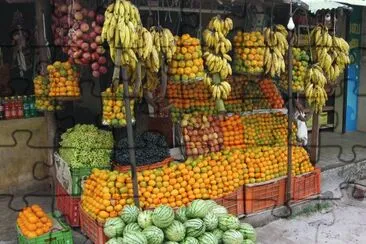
(23, 144)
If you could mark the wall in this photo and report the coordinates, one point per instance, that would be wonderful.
(361, 122)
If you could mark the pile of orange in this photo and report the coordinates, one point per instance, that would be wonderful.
(187, 63)
(41, 90)
(272, 94)
(114, 111)
(32, 221)
(41, 85)
(233, 132)
(64, 80)
(248, 52)
(197, 91)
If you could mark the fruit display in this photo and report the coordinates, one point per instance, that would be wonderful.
(266, 129)
(62, 22)
(274, 53)
(86, 146)
(48, 104)
(232, 131)
(271, 93)
(114, 111)
(315, 93)
(248, 52)
(41, 91)
(300, 66)
(150, 148)
(64, 80)
(33, 221)
(201, 134)
(202, 221)
(216, 58)
(254, 98)
(187, 63)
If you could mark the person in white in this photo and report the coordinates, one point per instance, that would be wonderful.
(301, 118)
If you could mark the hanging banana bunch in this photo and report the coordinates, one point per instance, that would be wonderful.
(315, 92)
(164, 42)
(274, 53)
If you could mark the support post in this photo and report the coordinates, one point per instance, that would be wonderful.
(314, 151)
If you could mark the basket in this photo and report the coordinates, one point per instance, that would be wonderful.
(126, 168)
(91, 228)
(61, 235)
(68, 206)
(306, 185)
(262, 196)
(233, 202)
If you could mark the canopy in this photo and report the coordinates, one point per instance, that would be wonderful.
(315, 5)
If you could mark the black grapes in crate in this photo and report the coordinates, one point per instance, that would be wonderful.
(151, 147)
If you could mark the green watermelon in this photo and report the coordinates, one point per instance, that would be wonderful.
(131, 227)
(247, 241)
(218, 233)
(129, 214)
(113, 227)
(195, 227)
(190, 240)
(232, 237)
(219, 210)
(248, 231)
(115, 240)
(208, 238)
(228, 222)
(171, 242)
(175, 232)
(163, 216)
(180, 214)
(153, 234)
(144, 219)
(211, 221)
(197, 209)
(134, 237)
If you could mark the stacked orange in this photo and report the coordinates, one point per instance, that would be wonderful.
(64, 80)
(271, 93)
(233, 132)
(32, 221)
(187, 63)
(41, 90)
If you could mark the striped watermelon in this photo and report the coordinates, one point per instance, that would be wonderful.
(218, 233)
(131, 227)
(190, 240)
(115, 240)
(248, 231)
(247, 241)
(208, 238)
(211, 221)
(197, 209)
(113, 227)
(153, 234)
(134, 237)
(232, 237)
(228, 222)
(171, 242)
(144, 219)
(163, 216)
(129, 214)
(219, 210)
(175, 232)
(195, 227)
(180, 214)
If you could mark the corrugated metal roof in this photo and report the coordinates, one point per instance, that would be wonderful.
(315, 5)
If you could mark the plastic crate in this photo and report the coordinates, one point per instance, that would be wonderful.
(60, 234)
(126, 168)
(71, 179)
(306, 185)
(68, 206)
(233, 202)
(262, 196)
(91, 228)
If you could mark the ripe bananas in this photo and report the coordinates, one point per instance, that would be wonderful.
(315, 93)
(221, 90)
(276, 47)
(164, 42)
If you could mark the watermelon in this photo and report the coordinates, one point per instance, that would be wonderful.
(113, 227)
(163, 216)
(129, 214)
(153, 234)
(175, 232)
(232, 237)
(115, 240)
(248, 231)
(134, 237)
(208, 238)
(228, 222)
(171, 242)
(247, 241)
(211, 221)
(190, 240)
(219, 210)
(144, 219)
(180, 214)
(131, 227)
(194, 227)
(218, 233)
(197, 209)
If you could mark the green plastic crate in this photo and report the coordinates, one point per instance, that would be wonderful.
(61, 235)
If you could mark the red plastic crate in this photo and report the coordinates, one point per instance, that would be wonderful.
(307, 185)
(68, 206)
(91, 228)
(233, 202)
(266, 195)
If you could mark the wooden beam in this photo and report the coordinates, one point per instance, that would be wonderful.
(314, 150)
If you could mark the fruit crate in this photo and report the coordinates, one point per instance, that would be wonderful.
(68, 206)
(91, 228)
(71, 179)
(126, 168)
(266, 195)
(306, 185)
(233, 202)
(60, 234)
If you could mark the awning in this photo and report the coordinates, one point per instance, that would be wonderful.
(315, 5)
(353, 2)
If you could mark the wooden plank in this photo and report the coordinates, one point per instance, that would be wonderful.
(314, 150)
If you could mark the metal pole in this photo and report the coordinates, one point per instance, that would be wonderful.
(130, 138)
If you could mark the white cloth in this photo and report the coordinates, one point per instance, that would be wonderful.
(302, 129)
